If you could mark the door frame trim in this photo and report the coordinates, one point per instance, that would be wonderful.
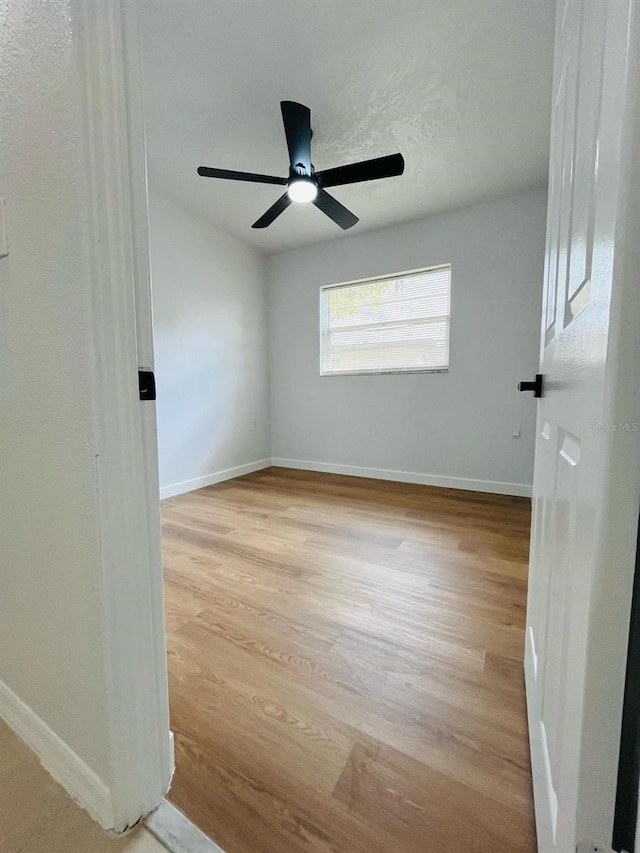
(134, 639)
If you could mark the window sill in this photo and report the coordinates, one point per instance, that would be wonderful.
(384, 372)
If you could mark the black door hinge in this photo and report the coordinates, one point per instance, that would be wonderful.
(146, 385)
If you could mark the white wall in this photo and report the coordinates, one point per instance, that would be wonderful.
(51, 657)
(451, 425)
(210, 325)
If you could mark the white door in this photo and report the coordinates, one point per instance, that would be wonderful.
(585, 469)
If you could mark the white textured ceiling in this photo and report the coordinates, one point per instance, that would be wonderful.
(460, 87)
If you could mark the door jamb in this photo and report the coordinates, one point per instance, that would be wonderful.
(133, 617)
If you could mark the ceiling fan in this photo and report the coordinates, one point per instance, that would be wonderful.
(304, 184)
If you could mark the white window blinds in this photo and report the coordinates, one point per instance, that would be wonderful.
(395, 324)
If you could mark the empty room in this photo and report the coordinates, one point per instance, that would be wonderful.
(345, 458)
(318, 366)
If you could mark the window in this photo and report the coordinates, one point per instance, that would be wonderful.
(393, 324)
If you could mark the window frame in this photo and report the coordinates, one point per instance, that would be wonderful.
(323, 325)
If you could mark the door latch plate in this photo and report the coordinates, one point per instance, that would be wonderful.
(146, 385)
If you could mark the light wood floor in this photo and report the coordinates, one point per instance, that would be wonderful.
(345, 661)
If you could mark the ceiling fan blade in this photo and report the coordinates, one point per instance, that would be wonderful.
(274, 211)
(334, 210)
(297, 128)
(207, 172)
(369, 170)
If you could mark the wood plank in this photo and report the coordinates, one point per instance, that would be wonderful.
(415, 808)
(345, 665)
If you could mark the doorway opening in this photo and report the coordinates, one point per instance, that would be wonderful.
(346, 549)
(345, 539)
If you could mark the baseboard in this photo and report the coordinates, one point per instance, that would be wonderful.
(210, 479)
(491, 486)
(172, 751)
(58, 759)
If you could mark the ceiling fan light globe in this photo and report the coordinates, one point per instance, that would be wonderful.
(302, 190)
